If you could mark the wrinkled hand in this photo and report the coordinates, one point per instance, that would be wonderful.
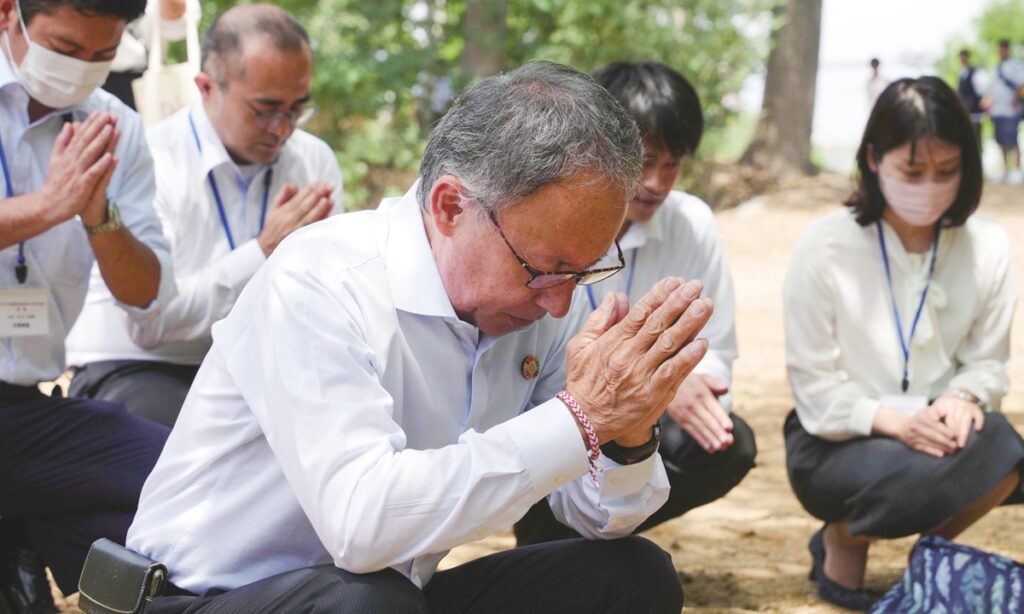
(926, 432)
(292, 209)
(81, 165)
(696, 409)
(625, 368)
(959, 416)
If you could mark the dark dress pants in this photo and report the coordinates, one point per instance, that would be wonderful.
(71, 471)
(153, 390)
(623, 576)
(696, 478)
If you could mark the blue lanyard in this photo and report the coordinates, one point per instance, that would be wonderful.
(629, 280)
(906, 343)
(20, 269)
(216, 192)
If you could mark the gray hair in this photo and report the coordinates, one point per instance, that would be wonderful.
(512, 134)
(222, 42)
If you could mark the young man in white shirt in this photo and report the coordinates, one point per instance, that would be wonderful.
(234, 177)
(1004, 107)
(706, 448)
(385, 387)
(77, 188)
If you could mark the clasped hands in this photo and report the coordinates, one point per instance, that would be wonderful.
(626, 365)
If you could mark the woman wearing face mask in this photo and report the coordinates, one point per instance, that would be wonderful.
(898, 311)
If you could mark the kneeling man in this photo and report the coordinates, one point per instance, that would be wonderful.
(389, 386)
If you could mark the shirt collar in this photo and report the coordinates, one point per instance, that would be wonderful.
(639, 233)
(412, 273)
(213, 153)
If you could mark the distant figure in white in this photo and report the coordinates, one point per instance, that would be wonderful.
(1004, 107)
(876, 83)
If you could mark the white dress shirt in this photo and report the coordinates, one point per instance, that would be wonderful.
(842, 350)
(209, 274)
(59, 260)
(345, 414)
(681, 239)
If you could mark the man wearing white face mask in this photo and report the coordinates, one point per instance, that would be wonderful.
(77, 188)
(898, 312)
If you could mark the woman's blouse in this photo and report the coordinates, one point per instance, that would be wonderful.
(843, 352)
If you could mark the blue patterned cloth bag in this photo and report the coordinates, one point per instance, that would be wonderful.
(948, 578)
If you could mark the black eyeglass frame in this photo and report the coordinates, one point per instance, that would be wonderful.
(583, 278)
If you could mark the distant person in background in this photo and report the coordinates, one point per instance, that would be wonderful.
(1004, 107)
(234, 177)
(707, 449)
(970, 87)
(876, 83)
(130, 60)
(897, 314)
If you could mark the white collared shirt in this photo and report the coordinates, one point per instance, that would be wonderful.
(59, 259)
(842, 350)
(345, 414)
(681, 239)
(209, 274)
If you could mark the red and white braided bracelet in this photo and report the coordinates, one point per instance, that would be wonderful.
(588, 429)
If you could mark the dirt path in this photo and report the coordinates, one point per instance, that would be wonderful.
(747, 552)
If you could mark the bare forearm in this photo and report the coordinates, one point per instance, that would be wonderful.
(24, 217)
(130, 269)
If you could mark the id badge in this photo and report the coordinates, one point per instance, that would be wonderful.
(24, 312)
(905, 403)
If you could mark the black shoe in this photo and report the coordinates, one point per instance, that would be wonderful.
(23, 583)
(829, 590)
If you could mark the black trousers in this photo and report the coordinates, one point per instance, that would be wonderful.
(153, 390)
(624, 576)
(696, 477)
(71, 471)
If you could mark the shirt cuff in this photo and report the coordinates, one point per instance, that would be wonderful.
(240, 265)
(550, 445)
(862, 417)
(618, 481)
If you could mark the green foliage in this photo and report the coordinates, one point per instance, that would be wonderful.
(1002, 19)
(376, 61)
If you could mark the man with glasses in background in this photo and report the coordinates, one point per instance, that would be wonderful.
(234, 177)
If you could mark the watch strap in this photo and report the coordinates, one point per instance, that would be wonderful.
(633, 455)
(110, 224)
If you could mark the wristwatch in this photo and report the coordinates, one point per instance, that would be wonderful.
(111, 223)
(963, 395)
(631, 456)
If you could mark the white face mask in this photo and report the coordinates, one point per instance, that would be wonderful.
(54, 79)
(919, 204)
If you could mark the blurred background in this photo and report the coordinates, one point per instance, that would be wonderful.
(386, 70)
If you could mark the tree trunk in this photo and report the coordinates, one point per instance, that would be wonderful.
(782, 138)
(485, 30)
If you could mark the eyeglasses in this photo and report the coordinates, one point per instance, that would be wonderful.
(541, 280)
(269, 120)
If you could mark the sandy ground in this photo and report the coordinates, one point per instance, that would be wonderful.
(747, 552)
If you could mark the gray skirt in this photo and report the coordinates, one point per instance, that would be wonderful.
(885, 489)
